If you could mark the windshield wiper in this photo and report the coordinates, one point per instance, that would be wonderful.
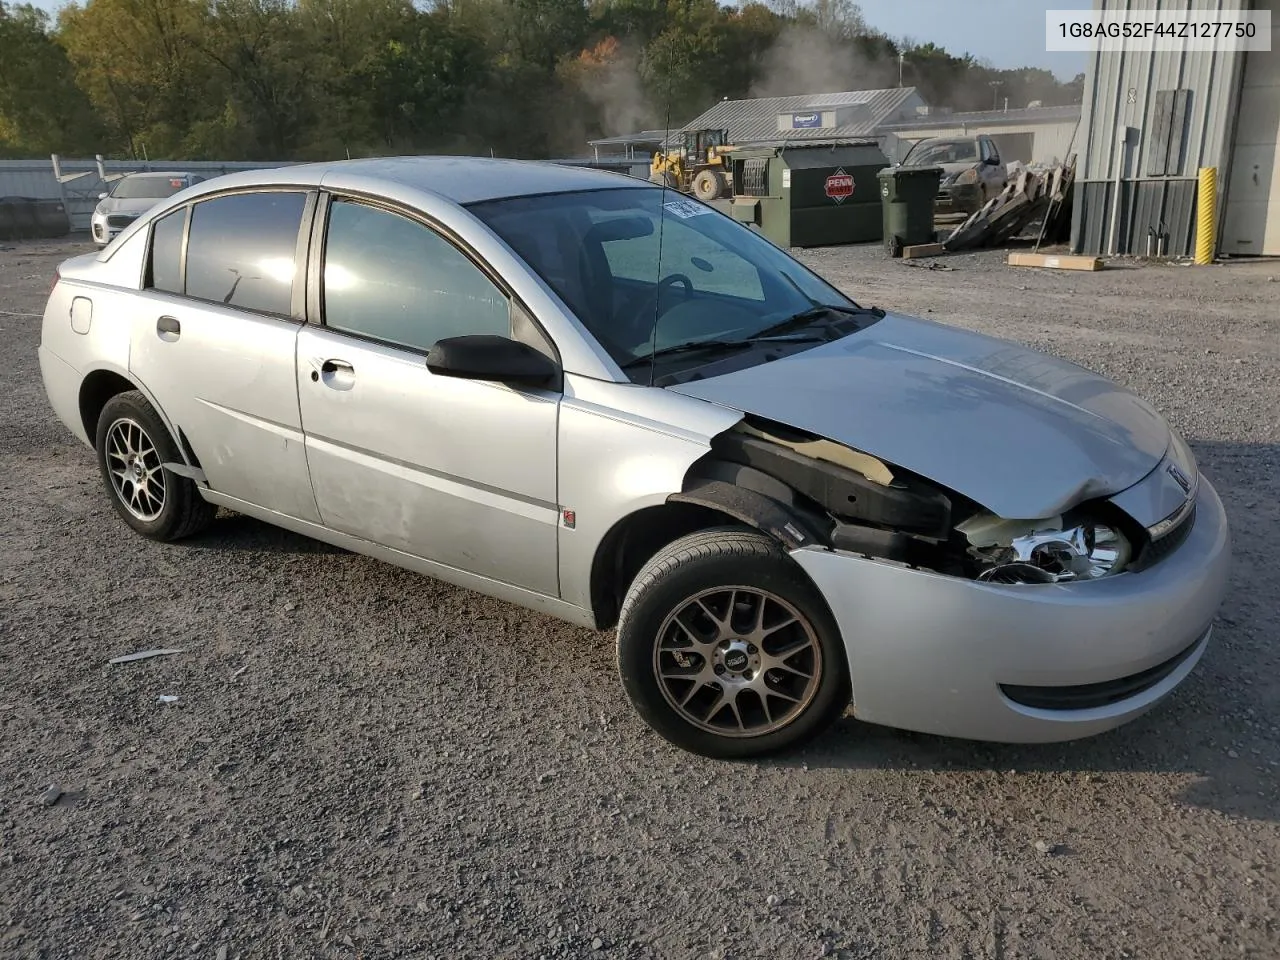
(716, 346)
(817, 312)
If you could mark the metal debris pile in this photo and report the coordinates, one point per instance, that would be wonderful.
(1030, 196)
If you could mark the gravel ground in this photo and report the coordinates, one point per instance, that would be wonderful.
(366, 763)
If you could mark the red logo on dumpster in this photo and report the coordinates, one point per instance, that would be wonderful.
(839, 186)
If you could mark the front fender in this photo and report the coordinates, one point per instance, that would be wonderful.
(622, 448)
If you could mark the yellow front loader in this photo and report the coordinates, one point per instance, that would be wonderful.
(697, 166)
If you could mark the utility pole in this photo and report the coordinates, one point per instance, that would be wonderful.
(995, 86)
(901, 56)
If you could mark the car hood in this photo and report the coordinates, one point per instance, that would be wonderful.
(1024, 434)
(129, 207)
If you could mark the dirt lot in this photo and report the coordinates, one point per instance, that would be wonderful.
(366, 763)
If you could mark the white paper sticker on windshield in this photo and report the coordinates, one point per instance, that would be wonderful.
(684, 209)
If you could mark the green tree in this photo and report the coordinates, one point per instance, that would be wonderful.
(418, 85)
(259, 61)
(139, 63)
(42, 110)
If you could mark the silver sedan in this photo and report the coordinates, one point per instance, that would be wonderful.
(595, 397)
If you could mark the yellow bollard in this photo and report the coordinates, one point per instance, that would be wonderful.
(1207, 215)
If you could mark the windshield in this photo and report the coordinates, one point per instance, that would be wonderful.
(646, 269)
(147, 188)
(941, 151)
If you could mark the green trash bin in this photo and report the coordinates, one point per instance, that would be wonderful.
(809, 194)
(907, 195)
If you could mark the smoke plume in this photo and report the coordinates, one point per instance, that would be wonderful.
(804, 60)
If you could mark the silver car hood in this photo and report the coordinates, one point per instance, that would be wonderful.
(1024, 434)
(129, 206)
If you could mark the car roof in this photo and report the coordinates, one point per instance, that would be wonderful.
(462, 180)
(156, 174)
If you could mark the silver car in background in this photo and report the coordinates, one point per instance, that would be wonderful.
(133, 195)
(972, 171)
(603, 400)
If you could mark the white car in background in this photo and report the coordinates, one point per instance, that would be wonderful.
(133, 195)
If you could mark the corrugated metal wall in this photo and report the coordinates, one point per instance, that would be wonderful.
(1122, 90)
(35, 178)
(1155, 208)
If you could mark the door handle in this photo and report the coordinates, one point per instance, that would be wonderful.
(168, 329)
(337, 374)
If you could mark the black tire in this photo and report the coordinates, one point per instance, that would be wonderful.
(708, 185)
(699, 564)
(181, 511)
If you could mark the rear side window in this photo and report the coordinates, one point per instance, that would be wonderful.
(241, 250)
(165, 271)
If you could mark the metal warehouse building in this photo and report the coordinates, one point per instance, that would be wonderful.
(1033, 135)
(822, 116)
(1151, 119)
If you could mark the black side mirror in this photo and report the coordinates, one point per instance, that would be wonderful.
(484, 357)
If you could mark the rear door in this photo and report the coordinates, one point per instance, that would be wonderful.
(214, 340)
(461, 472)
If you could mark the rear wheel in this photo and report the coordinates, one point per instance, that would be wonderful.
(727, 649)
(133, 443)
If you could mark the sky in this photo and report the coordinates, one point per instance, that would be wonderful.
(1009, 33)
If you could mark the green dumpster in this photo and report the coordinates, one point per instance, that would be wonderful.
(907, 195)
(804, 195)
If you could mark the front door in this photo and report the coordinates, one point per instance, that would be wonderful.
(214, 343)
(461, 472)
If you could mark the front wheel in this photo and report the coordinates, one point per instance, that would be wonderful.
(727, 649)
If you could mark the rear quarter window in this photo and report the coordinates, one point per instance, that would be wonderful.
(164, 271)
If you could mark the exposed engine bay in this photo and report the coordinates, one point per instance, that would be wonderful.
(805, 489)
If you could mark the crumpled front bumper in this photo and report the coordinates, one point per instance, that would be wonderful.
(941, 654)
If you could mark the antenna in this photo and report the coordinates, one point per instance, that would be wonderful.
(662, 219)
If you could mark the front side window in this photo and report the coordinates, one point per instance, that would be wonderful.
(396, 280)
(241, 250)
(165, 270)
(645, 269)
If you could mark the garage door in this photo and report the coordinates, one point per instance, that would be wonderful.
(1251, 223)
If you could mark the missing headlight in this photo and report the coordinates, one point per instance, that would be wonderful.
(1085, 552)
(1045, 551)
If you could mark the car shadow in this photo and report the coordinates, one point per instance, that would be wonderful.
(240, 534)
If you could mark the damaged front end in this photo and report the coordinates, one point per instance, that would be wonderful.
(806, 490)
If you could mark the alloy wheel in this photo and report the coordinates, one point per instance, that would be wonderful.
(134, 465)
(738, 661)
